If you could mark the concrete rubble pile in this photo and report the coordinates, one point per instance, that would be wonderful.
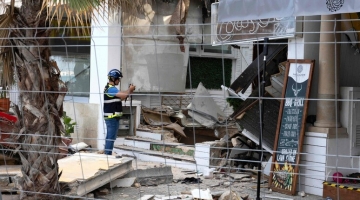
(203, 121)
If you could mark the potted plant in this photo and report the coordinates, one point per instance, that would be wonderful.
(69, 128)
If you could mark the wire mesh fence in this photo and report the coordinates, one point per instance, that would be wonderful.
(205, 121)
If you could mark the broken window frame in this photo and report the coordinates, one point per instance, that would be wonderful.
(200, 51)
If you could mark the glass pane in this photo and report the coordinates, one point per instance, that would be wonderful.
(75, 73)
(193, 47)
(226, 49)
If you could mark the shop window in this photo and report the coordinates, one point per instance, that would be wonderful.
(70, 48)
(75, 73)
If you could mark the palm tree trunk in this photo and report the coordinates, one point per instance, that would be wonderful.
(41, 103)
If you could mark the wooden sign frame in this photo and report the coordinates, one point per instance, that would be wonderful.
(291, 126)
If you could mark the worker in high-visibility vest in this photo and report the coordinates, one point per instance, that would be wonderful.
(113, 107)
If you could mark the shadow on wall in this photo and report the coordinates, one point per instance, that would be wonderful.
(86, 117)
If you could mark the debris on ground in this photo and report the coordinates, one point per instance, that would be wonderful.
(230, 195)
(191, 180)
(202, 194)
(302, 194)
(102, 191)
(79, 146)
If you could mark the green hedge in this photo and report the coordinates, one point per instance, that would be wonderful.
(236, 103)
(209, 72)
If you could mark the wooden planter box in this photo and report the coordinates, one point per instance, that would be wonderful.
(4, 104)
(345, 192)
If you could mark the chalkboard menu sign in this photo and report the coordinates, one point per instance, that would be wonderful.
(290, 129)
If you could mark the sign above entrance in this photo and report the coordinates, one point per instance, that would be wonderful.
(237, 10)
(251, 30)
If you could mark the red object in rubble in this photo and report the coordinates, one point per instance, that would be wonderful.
(4, 136)
(8, 117)
(338, 177)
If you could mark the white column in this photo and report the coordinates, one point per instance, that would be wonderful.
(105, 55)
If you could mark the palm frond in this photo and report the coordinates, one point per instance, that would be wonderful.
(78, 13)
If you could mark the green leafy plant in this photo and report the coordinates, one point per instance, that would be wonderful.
(3, 93)
(209, 72)
(69, 126)
(236, 103)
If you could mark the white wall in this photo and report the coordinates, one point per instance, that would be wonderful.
(313, 163)
(307, 47)
(152, 59)
(148, 54)
(86, 117)
(105, 55)
(339, 158)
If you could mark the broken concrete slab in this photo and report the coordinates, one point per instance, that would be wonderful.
(146, 197)
(204, 109)
(202, 119)
(177, 128)
(85, 172)
(136, 143)
(239, 176)
(155, 131)
(182, 161)
(186, 121)
(180, 150)
(148, 134)
(152, 176)
(123, 182)
(155, 118)
(166, 197)
(82, 172)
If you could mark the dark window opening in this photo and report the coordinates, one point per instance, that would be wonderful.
(209, 72)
